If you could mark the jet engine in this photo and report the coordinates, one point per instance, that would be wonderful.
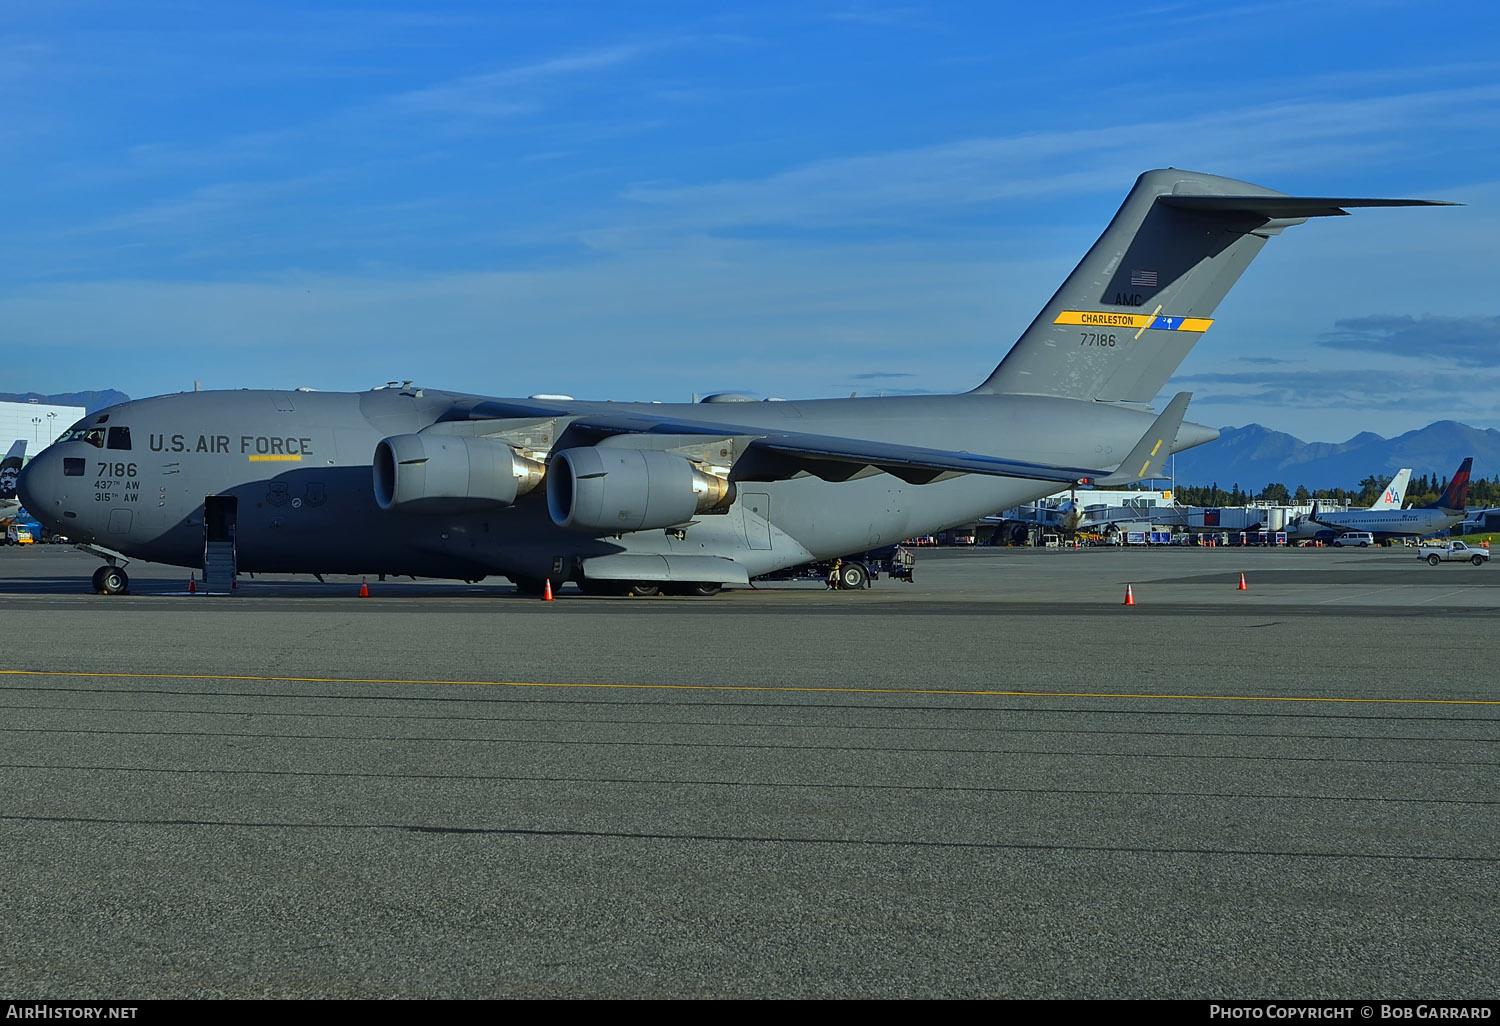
(615, 490)
(448, 474)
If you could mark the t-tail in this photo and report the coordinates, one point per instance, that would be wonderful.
(10, 469)
(1146, 292)
(1457, 493)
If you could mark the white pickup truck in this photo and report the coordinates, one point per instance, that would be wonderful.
(1454, 550)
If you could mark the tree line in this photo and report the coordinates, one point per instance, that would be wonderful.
(1421, 491)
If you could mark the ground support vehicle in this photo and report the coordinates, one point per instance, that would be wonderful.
(1453, 552)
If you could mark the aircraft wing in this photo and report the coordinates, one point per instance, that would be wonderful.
(778, 455)
(1313, 516)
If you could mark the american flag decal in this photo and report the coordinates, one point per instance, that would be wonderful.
(1144, 279)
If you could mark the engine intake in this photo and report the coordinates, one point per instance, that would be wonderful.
(449, 475)
(615, 490)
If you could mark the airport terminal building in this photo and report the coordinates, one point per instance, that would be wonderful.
(37, 423)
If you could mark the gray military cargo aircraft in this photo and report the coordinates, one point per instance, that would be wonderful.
(641, 497)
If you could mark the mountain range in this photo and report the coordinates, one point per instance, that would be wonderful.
(1251, 457)
(1255, 456)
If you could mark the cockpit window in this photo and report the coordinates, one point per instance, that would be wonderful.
(73, 466)
(94, 436)
(119, 438)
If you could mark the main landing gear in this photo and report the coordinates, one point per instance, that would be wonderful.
(640, 589)
(645, 589)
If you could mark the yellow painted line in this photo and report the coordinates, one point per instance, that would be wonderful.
(277, 457)
(749, 687)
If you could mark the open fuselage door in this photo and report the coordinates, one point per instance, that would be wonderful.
(220, 521)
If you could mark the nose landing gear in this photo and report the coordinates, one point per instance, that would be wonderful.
(111, 580)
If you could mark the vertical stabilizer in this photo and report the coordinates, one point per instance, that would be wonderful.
(1457, 493)
(10, 469)
(1146, 291)
(1395, 492)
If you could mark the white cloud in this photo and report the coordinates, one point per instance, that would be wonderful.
(1039, 164)
(509, 92)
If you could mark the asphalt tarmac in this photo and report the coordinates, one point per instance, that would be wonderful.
(996, 782)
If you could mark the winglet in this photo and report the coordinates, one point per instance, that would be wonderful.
(1149, 457)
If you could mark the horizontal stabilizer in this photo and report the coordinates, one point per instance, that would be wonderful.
(1149, 457)
(1279, 207)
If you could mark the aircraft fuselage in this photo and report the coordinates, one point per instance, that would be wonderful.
(1386, 523)
(299, 465)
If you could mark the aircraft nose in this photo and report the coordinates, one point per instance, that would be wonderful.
(52, 488)
(26, 483)
(39, 486)
(23, 484)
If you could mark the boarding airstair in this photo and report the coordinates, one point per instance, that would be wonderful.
(220, 513)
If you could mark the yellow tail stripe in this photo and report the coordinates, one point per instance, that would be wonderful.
(1109, 319)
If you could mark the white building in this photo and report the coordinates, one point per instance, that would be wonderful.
(38, 423)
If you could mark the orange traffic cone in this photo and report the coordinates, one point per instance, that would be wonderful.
(364, 588)
(547, 591)
(1242, 583)
(1129, 596)
(192, 584)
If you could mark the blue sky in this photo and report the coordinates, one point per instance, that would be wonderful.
(644, 201)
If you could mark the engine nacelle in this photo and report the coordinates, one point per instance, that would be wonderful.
(615, 490)
(450, 475)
